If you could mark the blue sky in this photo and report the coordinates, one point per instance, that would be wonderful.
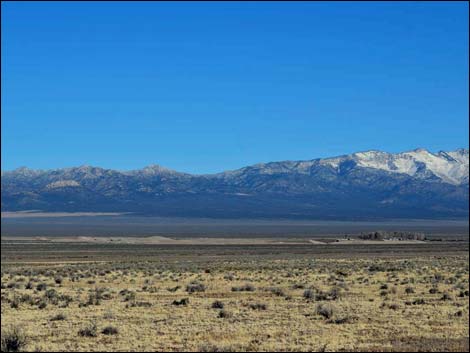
(206, 87)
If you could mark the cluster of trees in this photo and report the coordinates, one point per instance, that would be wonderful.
(384, 235)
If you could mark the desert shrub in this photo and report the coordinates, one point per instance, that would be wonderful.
(128, 295)
(59, 317)
(50, 294)
(409, 290)
(88, 331)
(277, 291)
(93, 299)
(245, 288)
(298, 286)
(139, 304)
(229, 277)
(376, 268)
(41, 286)
(309, 294)
(332, 314)
(12, 285)
(110, 330)
(437, 278)
(325, 310)
(334, 293)
(319, 295)
(174, 289)
(419, 301)
(340, 320)
(224, 314)
(150, 289)
(98, 294)
(258, 306)
(65, 299)
(194, 287)
(26, 298)
(13, 340)
(184, 301)
(15, 303)
(217, 305)
(446, 296)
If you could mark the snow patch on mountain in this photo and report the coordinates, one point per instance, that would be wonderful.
(62, 184)
(153, 170)
(451, 167)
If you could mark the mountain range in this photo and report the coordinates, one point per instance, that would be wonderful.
(362, 185)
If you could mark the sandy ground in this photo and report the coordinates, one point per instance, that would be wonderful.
(155, 240)
(29, 214)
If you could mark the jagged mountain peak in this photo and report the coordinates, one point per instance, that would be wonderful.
(419, 150)
(371, 183)
(449, 167)
(154, 170)
(83, 171)
(85, 168)
(23, 171)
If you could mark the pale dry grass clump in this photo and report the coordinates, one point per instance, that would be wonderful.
(91, 330)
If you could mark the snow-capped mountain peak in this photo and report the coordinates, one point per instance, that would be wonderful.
(448, 167)
(451, 167)
(412, 184)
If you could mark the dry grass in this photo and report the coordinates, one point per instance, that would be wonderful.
(328, 304)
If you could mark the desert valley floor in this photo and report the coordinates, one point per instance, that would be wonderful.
(187, 293)
(90, 284)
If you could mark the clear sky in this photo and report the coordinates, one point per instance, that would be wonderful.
(206, 87)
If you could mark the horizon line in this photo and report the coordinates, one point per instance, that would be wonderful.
(228, 170)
